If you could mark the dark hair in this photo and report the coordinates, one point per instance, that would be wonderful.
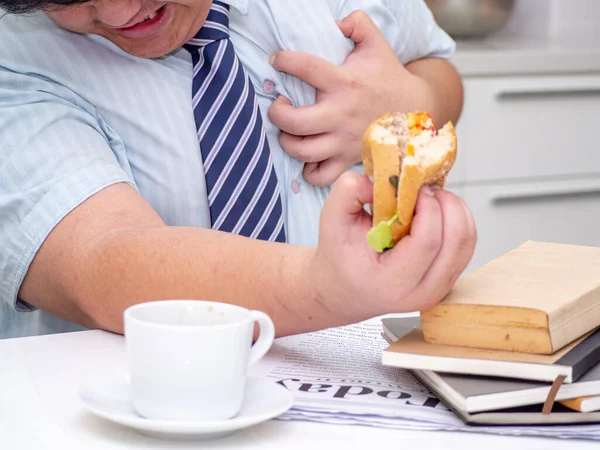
(28, 6)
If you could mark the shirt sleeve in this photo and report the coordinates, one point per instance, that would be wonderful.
(408, 25)
(55, 152)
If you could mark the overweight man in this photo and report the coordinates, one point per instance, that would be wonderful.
(211, 150)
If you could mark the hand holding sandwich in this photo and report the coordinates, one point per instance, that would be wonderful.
(409, 252)
(372, 81)
(355, 282)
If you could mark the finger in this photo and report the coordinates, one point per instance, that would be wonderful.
(471, 223)
(316, 71)
(359, 27)
(310, 149)
(459, 239)
(303, 120)
(460, 233)
(415, 253)
(347, 198)
(324, 173)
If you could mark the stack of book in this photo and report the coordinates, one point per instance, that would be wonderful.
(517, 342)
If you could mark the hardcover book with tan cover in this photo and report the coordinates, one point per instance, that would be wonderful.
(536, 298)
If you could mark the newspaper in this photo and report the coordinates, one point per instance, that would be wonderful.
(337, 377)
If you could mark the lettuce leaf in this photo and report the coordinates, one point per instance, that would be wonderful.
(379, 237)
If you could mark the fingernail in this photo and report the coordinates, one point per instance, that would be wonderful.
(427, 190)
(435, 187)
(272, 58)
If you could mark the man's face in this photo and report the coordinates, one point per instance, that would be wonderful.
(144, 28)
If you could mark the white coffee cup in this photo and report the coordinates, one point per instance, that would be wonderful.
(188, 359)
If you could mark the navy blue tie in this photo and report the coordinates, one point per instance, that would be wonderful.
(243, 193)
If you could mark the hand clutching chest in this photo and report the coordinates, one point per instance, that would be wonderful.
(370, 82)
(269, 27)
(331, 79)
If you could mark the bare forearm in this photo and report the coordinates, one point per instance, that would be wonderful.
(154, 263)
(443, 91)
(114, 251)
(175, 263)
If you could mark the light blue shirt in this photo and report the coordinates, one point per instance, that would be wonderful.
(77, 114)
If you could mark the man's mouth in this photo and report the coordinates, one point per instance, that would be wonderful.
(152, 15)
(150, 19)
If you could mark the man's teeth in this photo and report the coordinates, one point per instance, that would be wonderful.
(151, 16)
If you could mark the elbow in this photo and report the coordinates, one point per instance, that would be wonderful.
(99, 291)
(95, 311)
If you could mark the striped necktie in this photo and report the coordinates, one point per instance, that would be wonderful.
(243, 194)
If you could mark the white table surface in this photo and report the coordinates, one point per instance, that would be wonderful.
(40, 409)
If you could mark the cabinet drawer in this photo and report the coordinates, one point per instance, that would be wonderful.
(508, 215)
(527, 127)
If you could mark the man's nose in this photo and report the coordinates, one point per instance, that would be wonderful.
(116, 13)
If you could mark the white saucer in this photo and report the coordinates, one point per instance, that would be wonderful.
(263, 400)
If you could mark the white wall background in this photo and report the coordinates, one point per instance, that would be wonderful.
(575, 19)
(530, 19)
(556, 20)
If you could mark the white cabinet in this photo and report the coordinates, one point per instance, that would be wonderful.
(566, 211)
(523, 127)
(528, 160)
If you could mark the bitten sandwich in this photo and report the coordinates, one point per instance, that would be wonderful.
(401, 153)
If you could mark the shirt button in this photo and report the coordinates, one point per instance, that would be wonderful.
(295, 186)
(268, 87)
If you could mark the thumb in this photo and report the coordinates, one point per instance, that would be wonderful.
(280, 108)
(323, 173)
(281, 102)
(359, 27)
(346, 201)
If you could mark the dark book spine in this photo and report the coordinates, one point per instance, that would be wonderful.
(583, 356)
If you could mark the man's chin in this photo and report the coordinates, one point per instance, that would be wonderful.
(149, 53)
(145, 49)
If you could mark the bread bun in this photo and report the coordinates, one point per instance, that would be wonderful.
(405, 150)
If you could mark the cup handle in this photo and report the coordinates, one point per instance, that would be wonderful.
(265, 337)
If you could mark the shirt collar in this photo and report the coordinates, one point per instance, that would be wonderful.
(240, 5)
